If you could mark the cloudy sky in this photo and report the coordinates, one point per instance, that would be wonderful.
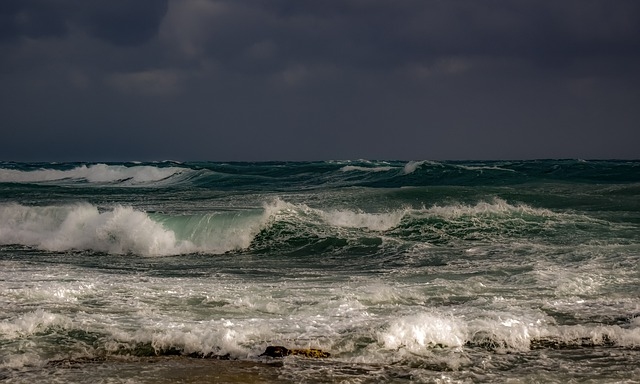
(110, 80)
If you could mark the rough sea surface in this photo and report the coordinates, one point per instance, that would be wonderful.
(493, 271)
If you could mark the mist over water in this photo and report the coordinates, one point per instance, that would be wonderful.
(405, 272)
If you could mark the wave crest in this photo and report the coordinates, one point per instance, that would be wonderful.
(352, 168)
(95, 173)
(83, 227)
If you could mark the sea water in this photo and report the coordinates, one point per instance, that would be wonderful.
(494, 271)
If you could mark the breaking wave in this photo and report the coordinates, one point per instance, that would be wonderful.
(277, 225)
(386, 340)
(122, 230)
(501, 331)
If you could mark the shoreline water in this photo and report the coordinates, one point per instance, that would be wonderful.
(595, 364)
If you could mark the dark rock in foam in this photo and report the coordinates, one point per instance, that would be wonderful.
(280, 351)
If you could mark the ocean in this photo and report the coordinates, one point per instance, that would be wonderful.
(405, 272)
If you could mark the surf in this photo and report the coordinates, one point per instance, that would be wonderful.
(278, 224)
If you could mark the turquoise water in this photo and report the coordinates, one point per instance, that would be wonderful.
(405, 272)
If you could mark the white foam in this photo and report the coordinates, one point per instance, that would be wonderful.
(497, 206)
(381, 294)
(483, 168)
(587, 280)
(411, 166)
(417, 332)
(351, 168)
(372, 221)
(31, 323)
(82, 227)
(394, 319)
(17, 361)
(96, 173)
(598, 334)
(222, 336)
(336, 218)
(125, 230)
(384, 221)
(51, 291)
(507, 330)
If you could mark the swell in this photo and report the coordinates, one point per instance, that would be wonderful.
(311, 175)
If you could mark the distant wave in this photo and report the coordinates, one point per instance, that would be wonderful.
(411, 166)
(483, 168)
(318, 175)
(96, 173)
(350, 168)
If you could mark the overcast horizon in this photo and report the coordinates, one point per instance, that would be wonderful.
(249, 80)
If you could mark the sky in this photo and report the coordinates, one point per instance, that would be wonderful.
(256, 80)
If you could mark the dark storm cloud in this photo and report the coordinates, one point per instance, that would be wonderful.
(117, 21)
(260, 36)
(254, 79)
(390, 33)
(124, 22)
(34, 19)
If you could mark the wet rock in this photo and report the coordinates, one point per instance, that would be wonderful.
(280, 351)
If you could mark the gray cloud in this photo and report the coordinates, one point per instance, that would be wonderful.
(123, 22)
(117, 21)
(390, 33)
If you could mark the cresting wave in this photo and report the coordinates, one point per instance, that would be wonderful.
(95, 173)
(121, 230)
(125, 230)
(352, 168)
